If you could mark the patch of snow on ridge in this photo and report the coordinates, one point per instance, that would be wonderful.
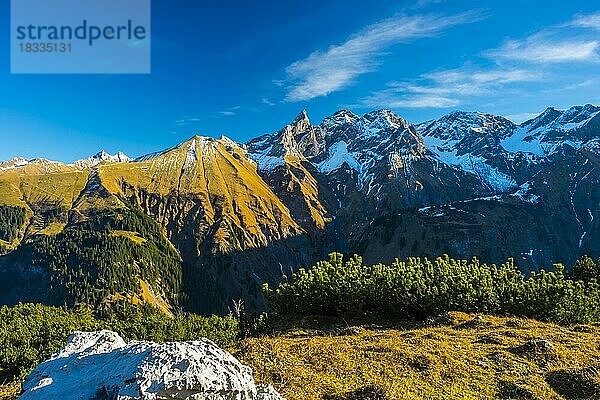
(16, 162)
(102, 156)
(266, 162)
(446, 153)
(338, 155)
(191, 155)
(522, 141)
(524, 195)
(571, 119)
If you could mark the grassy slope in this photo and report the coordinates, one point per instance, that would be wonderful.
(32, 184)
(466, 357)
(457, 356)
(220, 176)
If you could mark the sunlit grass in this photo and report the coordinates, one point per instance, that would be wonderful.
(467, 357)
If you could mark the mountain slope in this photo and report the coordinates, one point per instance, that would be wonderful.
(211, 220)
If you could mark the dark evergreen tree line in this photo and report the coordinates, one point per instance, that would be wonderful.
(12, 219)
(86, 262)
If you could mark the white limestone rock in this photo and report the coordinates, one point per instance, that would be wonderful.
(101, 366)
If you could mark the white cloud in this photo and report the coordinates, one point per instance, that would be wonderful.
(187, 121)
(591, 21)
(542, 48)
(390, 99)
(230, 111)
(426, 3)
(497, 76)
(267, 102)
(446, 89)
(326, 71)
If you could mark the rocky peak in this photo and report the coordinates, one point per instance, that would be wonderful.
(118, 157)
(15, 162)
(460, 124)
(301, 122)
(553, 127)
(298, 139)
(580, 113)
(549, 115)
(384, 119)
(101, 156)
(571, 118)
(340, 117)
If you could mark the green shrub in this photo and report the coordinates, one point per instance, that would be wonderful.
(417, 288)
(30, 333)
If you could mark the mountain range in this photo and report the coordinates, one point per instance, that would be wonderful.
(204, 224)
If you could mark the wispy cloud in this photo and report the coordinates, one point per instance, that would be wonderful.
(591, 21)
(446, 89)
(187, 121)
(427, 3)
(230, 111)
(586, 83)
(327, 71)
(267, 102)
(541, 48)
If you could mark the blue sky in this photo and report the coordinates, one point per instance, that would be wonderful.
(246, 68)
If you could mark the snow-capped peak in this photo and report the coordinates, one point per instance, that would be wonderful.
(553, 129)
(460, 124)
(340, 117)
(553, 119)
(383, 119)
(13, 163)
(301, 118)
(118, 157)
(102, 156)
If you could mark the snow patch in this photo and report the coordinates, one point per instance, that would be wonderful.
(16, 162)
(524, 195)
(446, 153)
(266, 162)
(338, 155)
(522, 141)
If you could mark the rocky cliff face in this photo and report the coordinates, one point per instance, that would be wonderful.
(240, 215)
(468, 183)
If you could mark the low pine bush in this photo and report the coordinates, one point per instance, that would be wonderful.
(417, 288)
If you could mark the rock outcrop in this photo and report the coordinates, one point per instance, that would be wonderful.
(101, 366)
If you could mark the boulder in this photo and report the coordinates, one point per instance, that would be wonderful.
(101, 366)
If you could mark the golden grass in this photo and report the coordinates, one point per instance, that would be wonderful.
(133, 236)
(53, 229)
(147, 295)
(10, 391)
(459, 356)
(468, 358)
(227, 184)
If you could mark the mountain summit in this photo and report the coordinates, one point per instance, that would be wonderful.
(208, 221)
